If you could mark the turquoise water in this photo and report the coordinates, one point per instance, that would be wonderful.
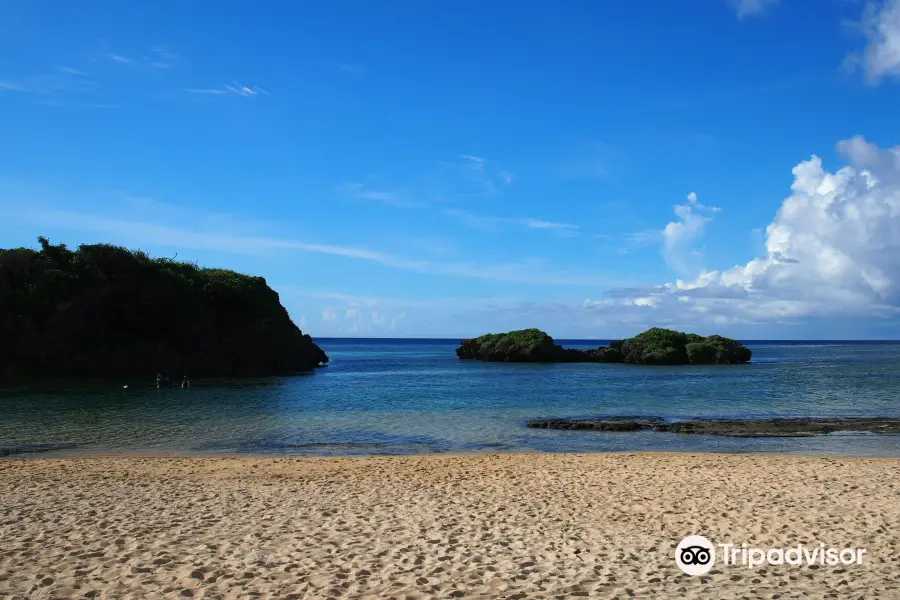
(414, 396)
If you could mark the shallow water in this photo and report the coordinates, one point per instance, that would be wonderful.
(414, 396)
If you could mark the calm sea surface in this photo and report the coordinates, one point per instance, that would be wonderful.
(414, 396)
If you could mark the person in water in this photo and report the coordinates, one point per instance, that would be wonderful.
(159, 380)
(185, 382)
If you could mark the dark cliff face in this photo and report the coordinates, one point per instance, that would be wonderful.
(105, 311)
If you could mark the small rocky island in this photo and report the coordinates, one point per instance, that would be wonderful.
(655, 346)
(106, 311)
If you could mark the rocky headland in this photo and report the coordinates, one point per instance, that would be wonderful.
(106, 311)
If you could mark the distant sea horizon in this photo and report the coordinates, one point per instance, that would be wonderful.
(601, 341)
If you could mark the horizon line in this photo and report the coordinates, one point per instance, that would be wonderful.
(602, 339)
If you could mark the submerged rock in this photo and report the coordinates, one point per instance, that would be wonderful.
(729, 427)
(598, 425)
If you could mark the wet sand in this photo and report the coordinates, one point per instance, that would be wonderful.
(483, 526)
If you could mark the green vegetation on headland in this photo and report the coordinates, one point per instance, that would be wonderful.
(106, 311)
(655, 346)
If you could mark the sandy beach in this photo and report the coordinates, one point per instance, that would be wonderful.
(483, 526)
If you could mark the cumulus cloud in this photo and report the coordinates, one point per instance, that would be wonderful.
(832, 249)
(881, 26)
(679, 236)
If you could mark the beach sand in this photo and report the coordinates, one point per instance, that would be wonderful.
(484, 526)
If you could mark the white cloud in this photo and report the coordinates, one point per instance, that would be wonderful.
(746, 8)
(541, 224)
(832, 249)
(63, 81)
(233, 88)
(492, 223)
(124, 60)
(485, 175)
(243, 90)
(13, 86)
(71, 71)
(679, 236)
(348, 313)
(881, 26)
(396, 198)
(161, 58)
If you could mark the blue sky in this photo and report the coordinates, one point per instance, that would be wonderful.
(451, 168)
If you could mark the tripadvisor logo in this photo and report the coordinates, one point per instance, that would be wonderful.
(696, 555)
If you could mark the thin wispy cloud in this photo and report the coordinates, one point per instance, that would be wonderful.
(143, 233)
(71, 71)
(494, 223)
(118, 58)
(233, 88)
(644, 237)
(13, 86)
(368, 302)
(347, 68)
(161, 58)
(48, 83)
(243, 90)
(482, 173)
(748, 8)
(360, 191)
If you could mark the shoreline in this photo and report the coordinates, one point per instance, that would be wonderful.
(259, 456)
(488, 525)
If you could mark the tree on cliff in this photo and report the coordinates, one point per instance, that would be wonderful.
(103, 311)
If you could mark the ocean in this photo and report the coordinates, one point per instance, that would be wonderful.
(406, 396)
